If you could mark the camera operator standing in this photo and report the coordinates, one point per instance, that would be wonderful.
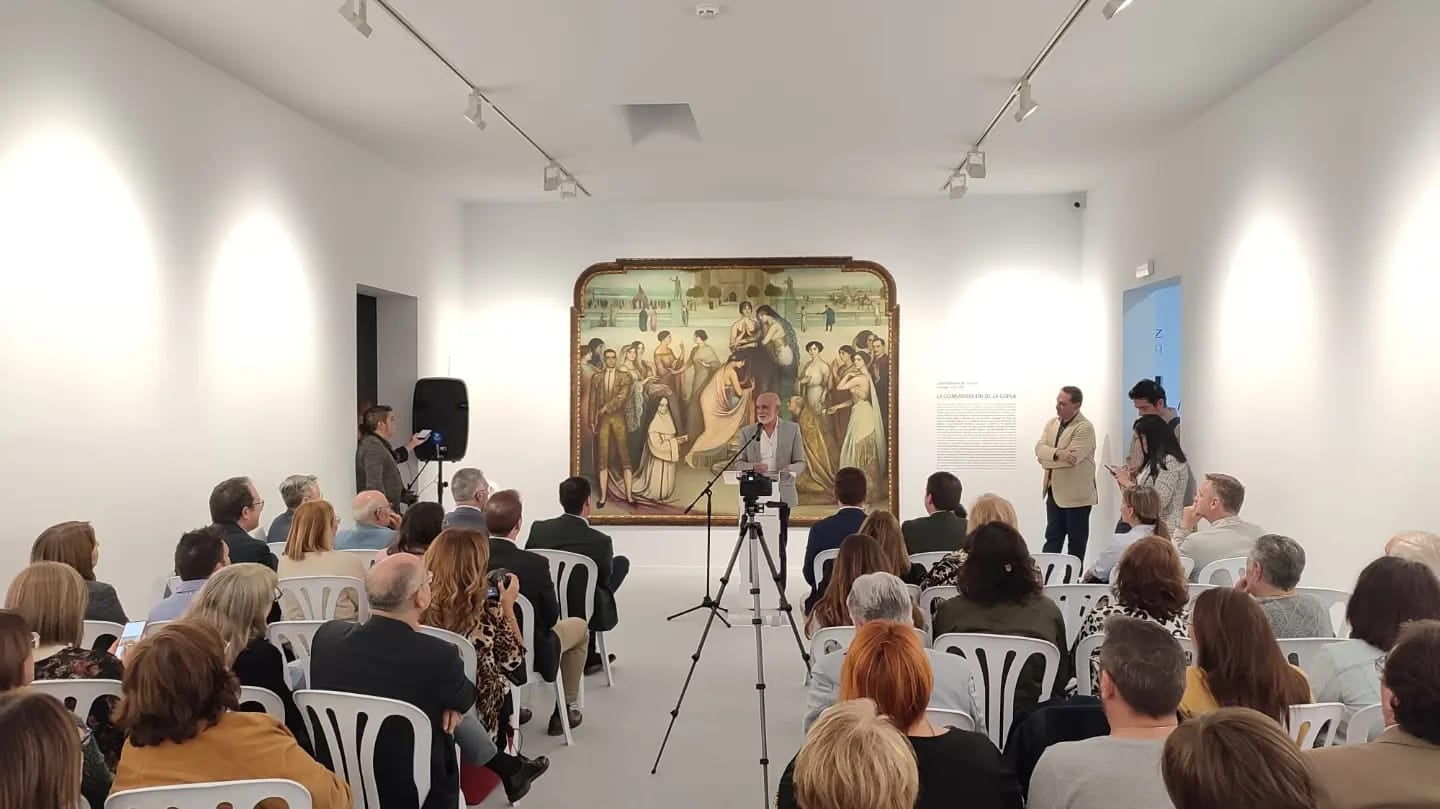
(377, 464)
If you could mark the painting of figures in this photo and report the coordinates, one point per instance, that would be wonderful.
(672, 354)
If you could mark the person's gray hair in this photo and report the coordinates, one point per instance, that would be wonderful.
(390, 591)
(294, 489)
(879, 597)
(1281, 560)
(364, 508)
(467, 484)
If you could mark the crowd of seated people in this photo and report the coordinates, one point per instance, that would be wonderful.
(988, 508)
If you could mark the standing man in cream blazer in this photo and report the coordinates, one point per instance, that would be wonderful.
(1066, 451)
(777, 452)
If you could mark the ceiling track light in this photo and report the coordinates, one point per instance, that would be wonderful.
(552, 176)
(474, 110)
(975, 164)
(1025, 106)
(567, 188)
(958, 185)
(1114, 7)
(355, 13)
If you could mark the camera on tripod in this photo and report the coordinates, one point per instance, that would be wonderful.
(755, 485)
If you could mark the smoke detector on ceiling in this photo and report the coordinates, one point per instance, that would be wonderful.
(707, 11)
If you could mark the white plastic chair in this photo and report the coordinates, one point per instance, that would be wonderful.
(1058, 568)
(1188, 565)
(299, 634)
(1331, 599)
(565, 564)
(1188, 646)
(1084, 685)
(1314, 724)
(172, 584)
(319, 596)
(1074, 601)
(335, 717)
(1196, 589)
(1233, 569)
(527, 629)
(1000, 664)
(238, 794)
(914, 590)
(265, 698)
(365, 555)
(950, 718)
(827, 640)
(277, 548)
(817, 568)
(95, 630)
(1301, 651)
(462, 645)
(78, 696)
(926, 559)
(930, 599)
(1365, 725)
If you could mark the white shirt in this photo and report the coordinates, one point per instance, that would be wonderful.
(767, 449)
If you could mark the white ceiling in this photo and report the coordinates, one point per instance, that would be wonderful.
(794, 99)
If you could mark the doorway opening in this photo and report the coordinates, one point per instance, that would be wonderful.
(1152, 342)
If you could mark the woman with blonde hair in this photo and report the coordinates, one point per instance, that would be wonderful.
(988, 508)
(50, 596)
(1139, 517)
(854, 758)
(310, 551)
(40, 764)
(1235, 758)
(859, 554)
(885, 529)
(237, 601)
(75, 544)
(1417, 546)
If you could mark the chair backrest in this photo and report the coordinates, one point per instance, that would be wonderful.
(930, 599)
(1188, 647)
(914, 590)
(95, 630)
(78, 695)
(1084, 685)
(1331, 599)
(999, 659)
(265, 698)
(525, 615)
(950, 718)
(299, 634)
(817, 568)
(365, 555)
(830, 639)
(1365, 725)
(1195, 589)
(319, 596)
(1301, 651)
(462, 644)
(1314, 724)
(1188, 565)
(336, 717)
(237, 794)
(277, 548)
(926, 559)
(564, 565)
(1224, 571)
(1074, 601)
(1058, 568)
(173, 583)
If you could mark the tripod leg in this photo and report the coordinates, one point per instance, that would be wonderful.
(757, 622)
(784, 602)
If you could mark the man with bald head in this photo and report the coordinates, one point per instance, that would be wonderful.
(374, 524)
(776, 451)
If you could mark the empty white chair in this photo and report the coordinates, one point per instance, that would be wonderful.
(527, 630)
(95, 630)
(463, 646)
(1331, 599)
(78, 695)
(335, 717)
(564, 565)
(1084, 685)
(926, 559)
(1074, 601)
(1365, 725)
(238, 794)
(365, 555)
(1301, 651)
(1058, 568)
(1224, 572)
(265, 698)
(950, 718)
(1314, 724)
(827, 640)
(299, 634)
(1000, 659)
(319, 596)
(1196, 589)
(817, 568)
(1188, 565)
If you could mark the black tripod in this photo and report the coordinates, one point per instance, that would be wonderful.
(752, 534)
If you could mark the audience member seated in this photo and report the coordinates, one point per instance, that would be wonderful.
(458, 562)
(1401, 768)
(1418, 546)
(40, 760)
(75, 544)
(944, 527)
(374, 527)
(1237, 662)
(859, 554)
(180, 707)
(235, 508)
(1139, 517)
(198, 555)
(827, 533)
(235, 602)
(1142, 675)
(310, 551)
(854, 758)
(1389, 593)
(572, 532)
(1218, 500)
(887, 663)
(1163, 467)
(470, 490)
(1235, 758)
(419, 527)
(1149, 585)
(1000, 594)
(882, 597)
(559, 644)
(17, 670)
(387, 656)
(988, 508)
(1271, 575)
(294, 490)
(50, 596)
(885, 529)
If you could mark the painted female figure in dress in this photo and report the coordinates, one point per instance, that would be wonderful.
(656, 481)
(864, 445)
(725, 406)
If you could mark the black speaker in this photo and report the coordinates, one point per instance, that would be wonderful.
(443, 407)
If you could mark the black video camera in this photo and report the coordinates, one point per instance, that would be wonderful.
(754, 485)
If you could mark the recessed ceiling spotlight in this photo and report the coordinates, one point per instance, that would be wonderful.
(1024, 105)
(1115, 7)
(473, 110)
(975, 164)
(958, 185)
(354, 12)
(707, 11)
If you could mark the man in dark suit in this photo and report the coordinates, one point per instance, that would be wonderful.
(559, 644)
(827, 534)
(388, 657)
(944, 529)
(235, 507)
(572, 532)
(470, 490)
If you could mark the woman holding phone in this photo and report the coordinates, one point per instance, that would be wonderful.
(1163, 467)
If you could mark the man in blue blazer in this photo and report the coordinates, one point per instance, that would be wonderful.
(827, 534)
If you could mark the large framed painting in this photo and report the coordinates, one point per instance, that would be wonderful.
(671, 354)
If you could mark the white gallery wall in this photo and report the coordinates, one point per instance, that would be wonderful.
(988, 288)
(178, 260)
(1304, 216)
